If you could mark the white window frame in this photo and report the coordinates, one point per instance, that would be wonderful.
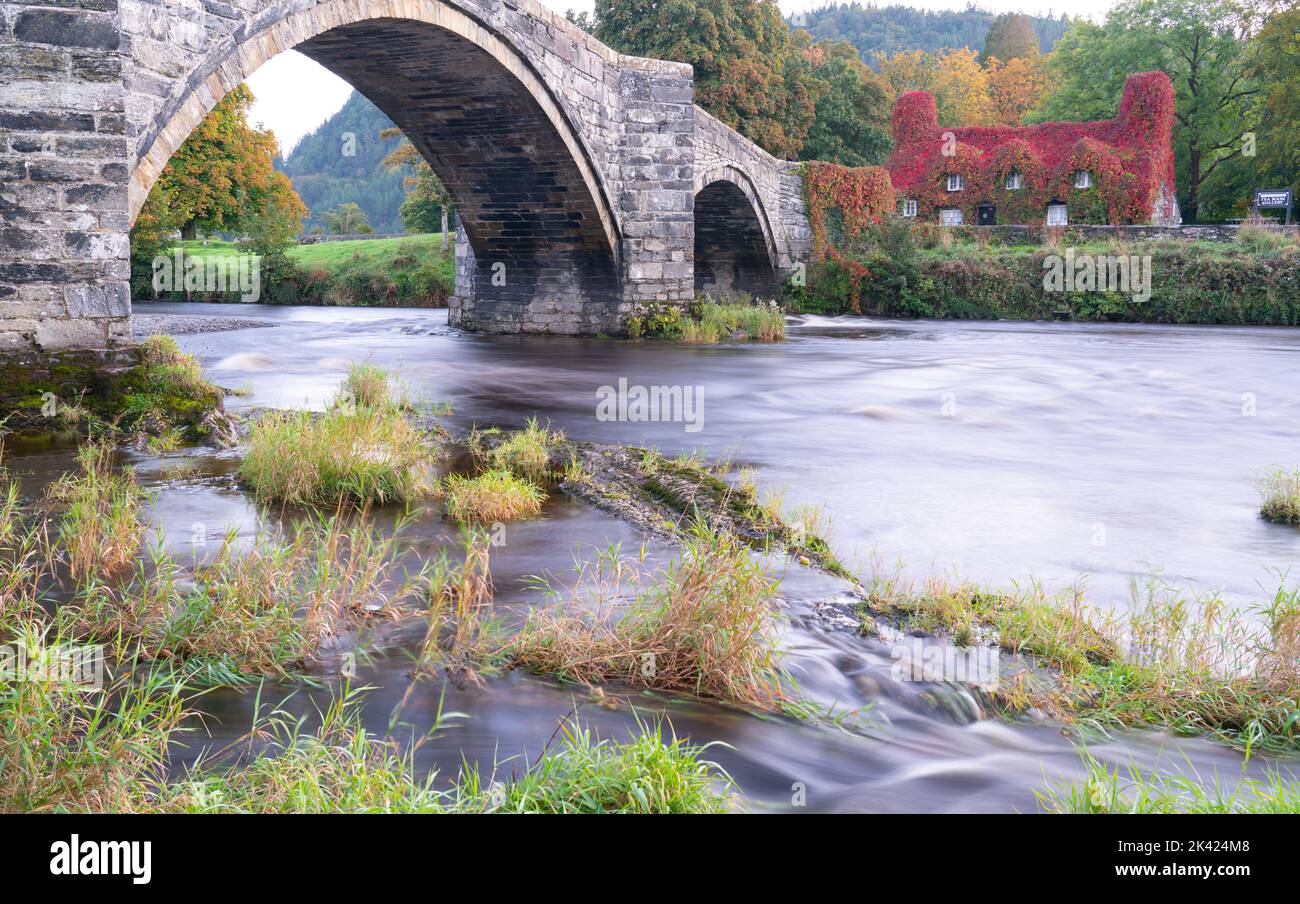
(909, 208)
(1064, 215)
(1082, 179)
(950, 216)
(1015, 180)
(956, 182)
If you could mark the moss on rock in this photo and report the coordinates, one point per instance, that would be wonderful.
(146, 390)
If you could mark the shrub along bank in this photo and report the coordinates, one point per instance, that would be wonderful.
(900, 270)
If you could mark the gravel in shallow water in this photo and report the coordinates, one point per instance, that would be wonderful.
(185, 324)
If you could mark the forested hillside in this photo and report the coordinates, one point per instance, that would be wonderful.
(341, 162)
(888, 29)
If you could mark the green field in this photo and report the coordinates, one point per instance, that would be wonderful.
(336, 256)
(407, 270)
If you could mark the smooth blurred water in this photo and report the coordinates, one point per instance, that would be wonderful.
(998, 450)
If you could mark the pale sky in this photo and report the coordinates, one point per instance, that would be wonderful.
(291, 112)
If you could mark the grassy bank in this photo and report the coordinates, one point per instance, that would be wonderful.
(407, 271)
(1188, 663)
(896, 270)
(1107, 790)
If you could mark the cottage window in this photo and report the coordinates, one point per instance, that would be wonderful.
(956, 182)
(1083, 179)
(909, 208)
(1015, 181)
(950, 216)
(1056, 215)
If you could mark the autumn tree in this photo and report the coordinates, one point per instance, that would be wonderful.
(750, 71)
(426, 196)
(851, 122)
(907, 70)
(959, 84)
(221, 174)
(1011, 36)
(1204, 47)
(1015, 87)
(222, 177)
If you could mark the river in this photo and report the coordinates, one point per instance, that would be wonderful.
(998, 451)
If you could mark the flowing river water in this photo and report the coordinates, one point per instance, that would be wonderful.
(996, 451)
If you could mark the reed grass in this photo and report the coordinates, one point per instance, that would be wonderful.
(340, 767)
(704, 625)
(525, 453)
(460, 606)
(369, 455)
(1184, 662)
(66, 747)
(490, 497)
(370, 386)
(99, 525)
(1279, 491)
(1106, 790)
(588, 775)
(264, 611)
(720, 320)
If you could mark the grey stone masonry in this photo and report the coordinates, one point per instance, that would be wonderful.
(575, 169)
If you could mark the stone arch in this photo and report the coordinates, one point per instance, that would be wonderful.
(735, 246)
(532, 200)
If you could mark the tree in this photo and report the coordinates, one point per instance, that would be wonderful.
(1010, 37)
(1276, 67)
(1015, 87)
(750, 71)
(221, 177)
(222, 170)
(961, 89)
(426, 196)
(851, 122)
(1203, 45)
(347, 219)
(959, 85)
(907, 70)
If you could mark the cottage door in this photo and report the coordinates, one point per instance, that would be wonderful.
(988, 215)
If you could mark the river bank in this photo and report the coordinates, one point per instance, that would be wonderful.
(901, 270)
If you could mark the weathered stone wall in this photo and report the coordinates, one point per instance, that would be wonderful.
(63, 176)
(574, 168)
(1031, 235)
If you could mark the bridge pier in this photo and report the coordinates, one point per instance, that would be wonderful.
(576, 169)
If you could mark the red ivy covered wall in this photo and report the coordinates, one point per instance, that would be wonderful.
(855, 197)
(1130, 158)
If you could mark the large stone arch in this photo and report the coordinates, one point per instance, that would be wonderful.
(735, 245)
(535, 210)
(575, 167)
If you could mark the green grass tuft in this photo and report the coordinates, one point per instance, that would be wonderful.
(342, 456)
(490, 497)
(1280, 492)
(1109, 791)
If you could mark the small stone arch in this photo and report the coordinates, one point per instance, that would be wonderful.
(735, 246)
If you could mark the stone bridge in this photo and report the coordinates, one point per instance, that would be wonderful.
(586, 181)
